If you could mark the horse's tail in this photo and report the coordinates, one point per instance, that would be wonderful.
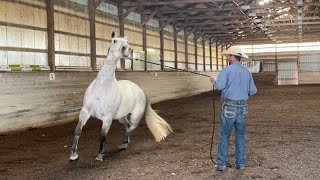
(158, 126)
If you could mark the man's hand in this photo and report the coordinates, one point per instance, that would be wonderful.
(211, 79)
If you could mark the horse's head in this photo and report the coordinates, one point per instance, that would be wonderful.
(120, 46)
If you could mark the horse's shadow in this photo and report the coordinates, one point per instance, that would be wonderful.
(91, 163)
(136, 148)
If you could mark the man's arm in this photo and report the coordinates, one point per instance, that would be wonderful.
(221, 81)
(252, 86)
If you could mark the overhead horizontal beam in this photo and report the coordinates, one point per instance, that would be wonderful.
(188, 18)
(291, 23)
(161, 3)
(252, 7)
(267, 21)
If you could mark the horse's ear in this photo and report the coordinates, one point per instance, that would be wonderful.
(113, 34)
(126, 37)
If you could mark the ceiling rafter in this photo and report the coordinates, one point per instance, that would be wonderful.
(232, 21)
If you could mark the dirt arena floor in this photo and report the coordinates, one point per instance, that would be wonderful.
(283, 135)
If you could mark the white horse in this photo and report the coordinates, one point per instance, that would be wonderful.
(108, 99)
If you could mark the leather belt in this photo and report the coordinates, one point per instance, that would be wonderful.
(237, 101)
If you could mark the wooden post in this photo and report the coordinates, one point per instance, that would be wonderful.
(92, 20)
(195, 51)
(222, 56)
(204, 54)
(210, 53)
(161, 47)
(276, 59)
(121, 27)
(50, 31)
(144, 41)
(186, 48)
(175, 46)
(217, 58)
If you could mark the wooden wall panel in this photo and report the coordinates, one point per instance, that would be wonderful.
(40, 17)
(27, 58)
(181, 52)
(3, 37)
(28, 38)
(14, 57)
(71, 24)
(3, 58)
(168, 50)
(27, 15)
(30, 13)
(31, 100)
(14, 37)
(13, 12)
(3, 11)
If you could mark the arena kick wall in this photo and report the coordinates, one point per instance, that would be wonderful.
(32, 100)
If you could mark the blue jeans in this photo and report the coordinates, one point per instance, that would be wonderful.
(234, 114)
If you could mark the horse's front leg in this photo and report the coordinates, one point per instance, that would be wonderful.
(83, 118)
(106, 123)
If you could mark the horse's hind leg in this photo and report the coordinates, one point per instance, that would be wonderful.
(132, 124)
(83, 118)
(126, 140)
(106, 123)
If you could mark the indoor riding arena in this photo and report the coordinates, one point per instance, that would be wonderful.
(67, 67)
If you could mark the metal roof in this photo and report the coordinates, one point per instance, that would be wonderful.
(236, 21)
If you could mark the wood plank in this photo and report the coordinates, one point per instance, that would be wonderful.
(175, 46)
(50, 32)
(161, 47)
(92, 9)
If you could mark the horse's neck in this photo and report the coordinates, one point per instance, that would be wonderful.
(106, 74)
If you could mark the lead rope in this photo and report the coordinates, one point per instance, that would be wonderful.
(213, 127)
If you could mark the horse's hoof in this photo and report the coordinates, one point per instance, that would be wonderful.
(74, 156)
(123, 146)
(99, 157)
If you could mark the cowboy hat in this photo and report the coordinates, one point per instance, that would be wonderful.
(235, 52)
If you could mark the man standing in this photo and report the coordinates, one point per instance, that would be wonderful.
(237, 85)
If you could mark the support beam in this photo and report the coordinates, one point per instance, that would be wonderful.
(222, 57)
(150, 17)
(251, 7)
(93, 54)
(195, 41)
(204, 53)
(50, 31)
(144, 41)
(180, 29)
(175, 46)
(210, 52)
(276, 59)
(129, 11)
(162, 3)
(217, 58)
(161, 48)
(189, 33)
(121, 16)
(166, 23)
(186, 48)
(97, 3)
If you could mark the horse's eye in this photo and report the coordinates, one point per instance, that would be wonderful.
(114, 41)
